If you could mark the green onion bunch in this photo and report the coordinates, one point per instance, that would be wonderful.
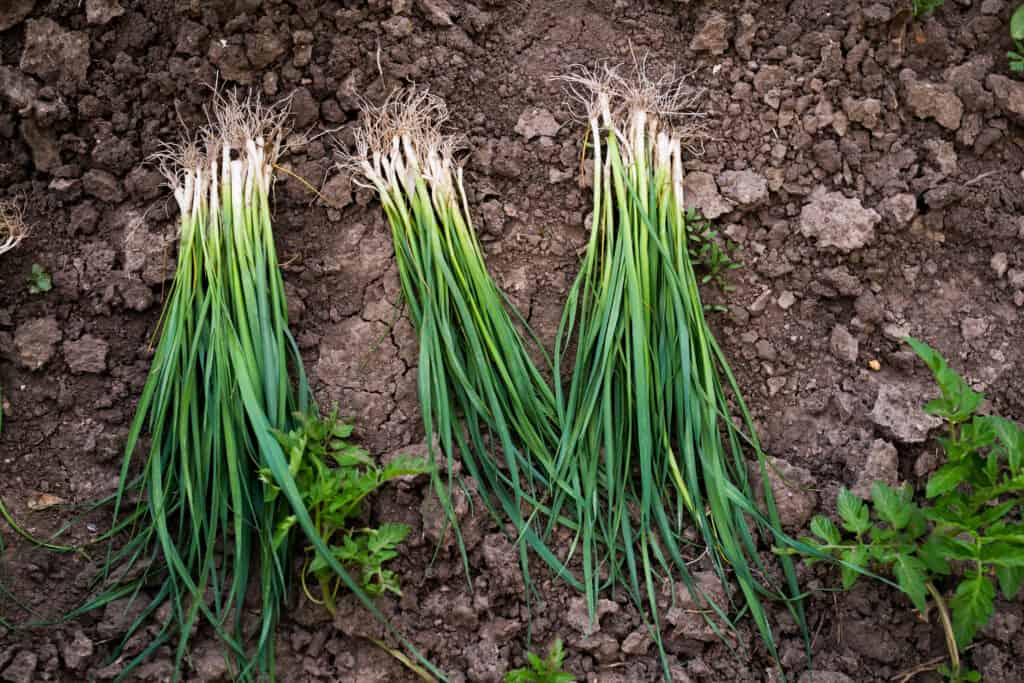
(479, 389)
(207, 508)
(654, 427)
(638, 449)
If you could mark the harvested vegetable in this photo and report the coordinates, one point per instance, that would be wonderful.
(638, 445)
(654, 427)
(207, 503)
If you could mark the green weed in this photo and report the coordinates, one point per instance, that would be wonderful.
(334, 477)
(969, 519)
(548, 670)
(923, 8)
(39, 281)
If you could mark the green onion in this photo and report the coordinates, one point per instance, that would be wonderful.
(478, 386)
(226, 378)
(639, 444)
(649, 440)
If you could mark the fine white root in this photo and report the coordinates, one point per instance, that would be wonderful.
(13, 228)
(400, 142)
(235, 153)
(651, 118)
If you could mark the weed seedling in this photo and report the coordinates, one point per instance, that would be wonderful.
(39, 281)
(334, 477)
(923, 8)
(963, 539)
(548, 670)
(707, 250)
(1016, 56)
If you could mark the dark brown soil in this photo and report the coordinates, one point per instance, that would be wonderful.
(916, 128)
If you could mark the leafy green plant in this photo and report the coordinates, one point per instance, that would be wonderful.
(39, 281)
(965, 535)
(923, 8)
(334, 477)
(707, 250)
(548, 670)
(1016, 56)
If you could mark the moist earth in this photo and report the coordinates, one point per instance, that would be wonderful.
(867, 167)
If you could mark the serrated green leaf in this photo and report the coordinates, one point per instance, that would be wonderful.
(891, 506)
(858, 557)
(972, 605)
(853, 511)
(932, 554)
(1011, 438)
(823, 528)
(959, 400)
(947, 478)
(1017, 24)
(909, 572)
(1003, 554)
(1010, 581)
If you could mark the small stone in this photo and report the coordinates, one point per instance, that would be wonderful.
(137, 296)
(437, 12)
(786, 300)
(943, 155)
(843, 280)
(305, 110)
(13, 12)
(77, 651)
(103, 185)
(263, 49)
(398, 27)
(882, 464)
(973, 328)
(938, 102)
(210, 666)
(36, 341)
(746, 188)
(837, 221)
(714, 35)
(17, 88)
(87, 355)
(701, 192)
(21, 668)
(1009, 95)
(844, 345)
(769, 77)
(999, 263)
(897, 411)
(101, 12)
(578, 615)
(43, 144)
(866, 112)
(775, 385)
(637, 643)
(793, 488)
(825, 676)
(761, 302)
(536, 122)
(765, 350)
(1015, 276)
(899, 209)
(54, 54)
(874, 365)
(337, 191)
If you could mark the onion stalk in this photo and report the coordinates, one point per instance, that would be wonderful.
(638, 445)
(194, 523)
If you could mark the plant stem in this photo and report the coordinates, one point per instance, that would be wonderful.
(947, 628)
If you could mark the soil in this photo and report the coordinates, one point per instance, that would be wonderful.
(869, 170)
